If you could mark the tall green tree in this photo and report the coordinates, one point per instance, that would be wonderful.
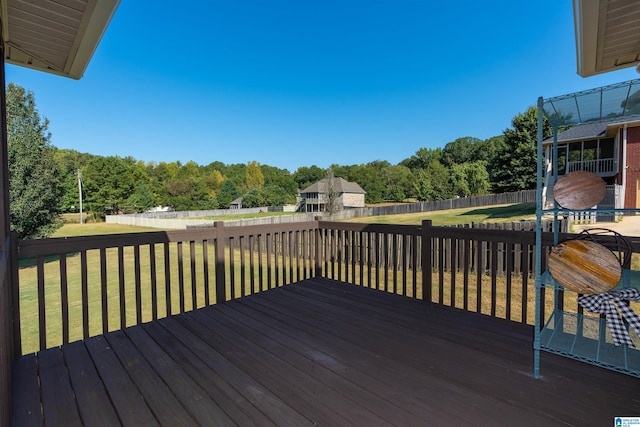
(142, 199)
(460, 151)
(35, 191)
(69, 163)
(109, 182)
(304, 176)
(228, 193)
(514, 166)
(253, 176)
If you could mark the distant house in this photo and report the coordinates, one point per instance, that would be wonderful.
(236, 204)
(348, 195)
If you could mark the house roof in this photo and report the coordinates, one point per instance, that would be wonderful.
(597, 129)
(341, 186)
(55, 36)
(607, 36)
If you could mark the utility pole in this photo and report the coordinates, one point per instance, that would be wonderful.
(80, 193)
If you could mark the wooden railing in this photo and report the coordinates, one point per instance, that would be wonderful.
(600, 166)
(73, 288)
(477, 269)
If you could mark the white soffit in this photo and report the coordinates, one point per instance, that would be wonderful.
(607, 35)
(56, 36)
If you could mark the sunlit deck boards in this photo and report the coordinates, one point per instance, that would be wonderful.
(317, 352)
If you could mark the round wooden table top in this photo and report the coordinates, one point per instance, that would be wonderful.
(584, 266)
(579, 190)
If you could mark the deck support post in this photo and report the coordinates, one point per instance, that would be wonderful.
(221, 287)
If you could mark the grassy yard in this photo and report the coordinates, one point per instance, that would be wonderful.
(242, 216)
(93, 228)
(499, 213)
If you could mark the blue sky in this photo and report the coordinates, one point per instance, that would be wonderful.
(293, 83)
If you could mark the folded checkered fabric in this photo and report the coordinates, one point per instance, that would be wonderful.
(606, 303)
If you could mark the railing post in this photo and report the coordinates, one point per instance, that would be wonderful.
(318, 260)
(426, 260)
(221, 286)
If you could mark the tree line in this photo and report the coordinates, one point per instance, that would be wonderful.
(45, 180)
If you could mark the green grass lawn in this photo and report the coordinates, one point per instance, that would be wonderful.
(93, 228)
(242, 216)
(499, 213)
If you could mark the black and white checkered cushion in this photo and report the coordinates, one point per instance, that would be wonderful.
(613, 305)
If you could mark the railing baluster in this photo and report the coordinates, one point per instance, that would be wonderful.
(260, 263)
(153, 282)
(85, 294)
(194, 283)
(394, 260)
(479, 274)
(509, 266)
(405, 239)
(181, 277)
(441, 267)
(369, 258)
(466, 268)
(414, 266)
(454, 270)
(205, 268)
(353, 241)
(138, 283)
(494, 268)
(123, 312)
(64, 298)
(252, 281)
(42, 321)
(232, 269)
(167, 278)
(104, 290)
(243, 277)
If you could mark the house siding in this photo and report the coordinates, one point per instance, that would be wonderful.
(352, 200)
(633, 167)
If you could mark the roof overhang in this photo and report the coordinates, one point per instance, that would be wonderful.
(607, 36)
(55, 36)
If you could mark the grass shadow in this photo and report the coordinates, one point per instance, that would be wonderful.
(498, 212)
(28, 262)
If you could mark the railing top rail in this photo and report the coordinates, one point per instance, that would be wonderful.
(371, 228)
(58, 245)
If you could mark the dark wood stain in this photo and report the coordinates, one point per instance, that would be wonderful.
(318, 352)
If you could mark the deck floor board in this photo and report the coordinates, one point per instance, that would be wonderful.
(317, 352)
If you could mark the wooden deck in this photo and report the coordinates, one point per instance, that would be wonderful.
(316, 353)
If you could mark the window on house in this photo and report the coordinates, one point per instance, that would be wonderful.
(606, 149)
(590, 150)
(562, 160)
(575, 152)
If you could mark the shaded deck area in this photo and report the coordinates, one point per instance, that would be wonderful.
(316, 352)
